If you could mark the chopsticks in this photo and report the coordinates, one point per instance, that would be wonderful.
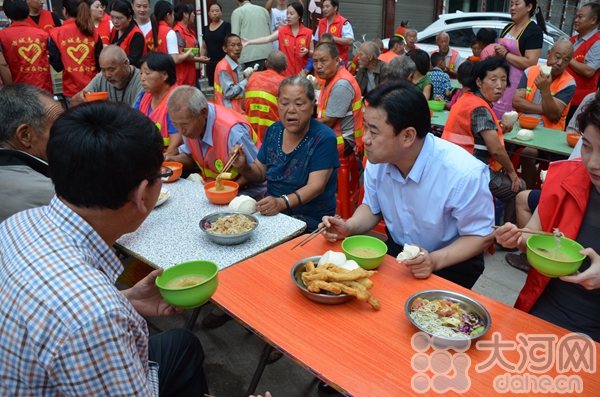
(231, 160)
(529, 231)
(314, 234)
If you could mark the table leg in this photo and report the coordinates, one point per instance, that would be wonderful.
(259, 369)
(194, 318)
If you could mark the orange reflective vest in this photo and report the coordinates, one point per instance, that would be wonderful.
(458, 125)
(78, 56)
(585, 85)
(356, 111)
(335, 29)
(26, 52)
(387, 56)
(46, 21)
(158, 114)
(103, 29)
(163, 30)
(217, 155)
(236, 102)
(186, 71)
(260, 100)
(127, 40)
(556, 85)
(452, 64)
(291, 45)
(353, 67)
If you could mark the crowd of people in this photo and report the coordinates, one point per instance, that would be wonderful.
(296, 105)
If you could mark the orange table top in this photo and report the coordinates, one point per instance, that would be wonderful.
(364, 352)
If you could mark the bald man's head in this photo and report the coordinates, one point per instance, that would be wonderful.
(559, 57)
(114, 66)
(277, 61)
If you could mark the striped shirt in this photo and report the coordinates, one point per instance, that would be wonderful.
(64, 327)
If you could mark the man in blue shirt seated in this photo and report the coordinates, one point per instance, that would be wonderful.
(431, 193)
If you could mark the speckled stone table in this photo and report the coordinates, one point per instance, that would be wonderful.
(171, 234)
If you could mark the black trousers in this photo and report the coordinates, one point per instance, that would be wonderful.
(464, 274)
(179, 355)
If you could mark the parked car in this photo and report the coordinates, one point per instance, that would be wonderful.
(463, 27)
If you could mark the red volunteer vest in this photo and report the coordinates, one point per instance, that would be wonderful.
(127, 41)
(352, 68)
(26, 53)
(103, 30)
(46, 21)
(585, 85)
(158, 114)
(335, 29)
(452, 64)
(357, 112)
(290, 45)
(458, 125)
(236, 102)
(217, 155)
(261, 100)
(563, 204)
(77, 52)
(186, 71)
(163, 29)
(556, 85)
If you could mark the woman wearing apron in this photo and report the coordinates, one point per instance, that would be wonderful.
(521, 45)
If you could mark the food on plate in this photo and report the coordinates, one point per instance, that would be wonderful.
(243, 203)
(525, 135)
(510, 118)
(196, 178)
(230, 225)
(444, 317)
(338, 259)
(364, 252)
(162, 196)
(185, 281)
(408, 252)
(546, 69)
(337, 280)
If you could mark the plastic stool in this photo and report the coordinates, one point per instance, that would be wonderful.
(348, 186)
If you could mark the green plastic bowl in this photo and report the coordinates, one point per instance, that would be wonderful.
(548, 266)
(196, 295)
(436, 106)
(365, 242)
(195, 50)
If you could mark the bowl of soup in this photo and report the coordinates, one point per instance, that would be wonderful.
(189, 284)
(367, 251)
(221, 197)
(177, 169)
(553, 261)
(573, 138)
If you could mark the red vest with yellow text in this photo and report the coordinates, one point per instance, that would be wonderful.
(562, 205)
(290, 45)
(260, 100)
(186, 71)
(46, 21)
(458, 125)
(556, 85)
(585, 85)
(77, 52)
(357, 112)
(103, 30)
(335, 29)
(158, 114)
(452, 64)
(127, 41)
(26, 52)
(217, 155)
(236, 103)
(163, 30)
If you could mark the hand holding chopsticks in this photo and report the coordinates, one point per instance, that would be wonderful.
(232, 159)
(529, 231)
(314, 234)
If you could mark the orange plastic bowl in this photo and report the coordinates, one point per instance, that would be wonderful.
(96, 96)
(177, 170)
(572, 138)
(224, 197)
(528, 122)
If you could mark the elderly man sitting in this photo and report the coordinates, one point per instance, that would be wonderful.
(546, 97)
(453, 59)
(120, 79)
(27, 114)
(396, 47)
(401, 69)
(371, 71)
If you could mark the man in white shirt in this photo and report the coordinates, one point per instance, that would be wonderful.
(141, 8)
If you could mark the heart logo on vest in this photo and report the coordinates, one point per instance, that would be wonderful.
(31, 53)
(81, 48)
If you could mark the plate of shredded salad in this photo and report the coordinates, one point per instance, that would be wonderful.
(447, 314)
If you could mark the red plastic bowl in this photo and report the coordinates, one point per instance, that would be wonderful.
(572, 138)
(528, 122)
(223, 197)
(177, 170)
(96, 96)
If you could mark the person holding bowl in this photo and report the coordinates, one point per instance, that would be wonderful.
(298, 159)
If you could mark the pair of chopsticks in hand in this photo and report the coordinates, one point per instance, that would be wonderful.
(231, 160)
(314, 234)
(529, 231)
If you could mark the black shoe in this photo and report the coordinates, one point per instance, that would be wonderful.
(518, 261)
(324, 388)
(214, 321)
(274, 356)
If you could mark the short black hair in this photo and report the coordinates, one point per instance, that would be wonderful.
(98, 152)
(226, 39)
(482, 68)
(464, 74)
(486, 36)
(436, 57)
(393, 41)
(16, 10)
(160, 62)
(421, 60)
(404, 104)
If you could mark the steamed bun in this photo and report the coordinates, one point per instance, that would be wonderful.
(510, 118)
(546, 69)
(409, 252)
(243, 204)
(525, 135)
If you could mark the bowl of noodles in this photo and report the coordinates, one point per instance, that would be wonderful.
(189, 284)
(554, 256)
(228, 228)
(447, 315)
